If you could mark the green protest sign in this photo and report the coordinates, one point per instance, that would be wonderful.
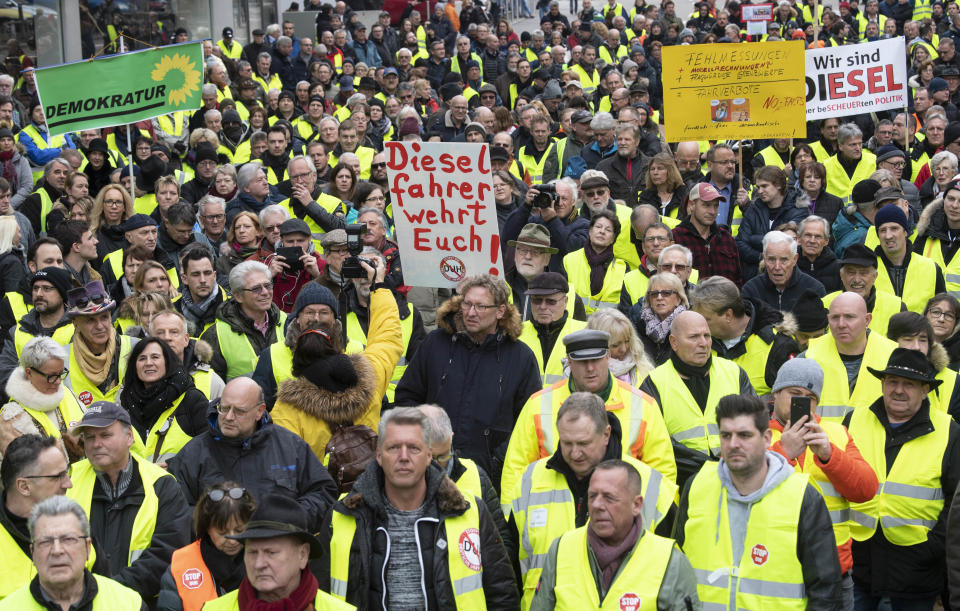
(121, 89)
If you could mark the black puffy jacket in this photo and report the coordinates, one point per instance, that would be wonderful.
(368, 554)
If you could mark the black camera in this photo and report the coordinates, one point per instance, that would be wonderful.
(351, 265)
(546, 196)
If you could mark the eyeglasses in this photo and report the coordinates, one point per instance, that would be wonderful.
(266, 287)
(223, 410)
(550, 301)
(218, 495)
(948, 316)
(58, 476)
(466, 306)
(378, 166)
(376, 198)
(656, 239)
(302, 176)
(66, 541)
(674, 267)
(113, 202)
(213, 217)
(84, 301)
(271, 228)
(595, 192)
(661, 294)
(51, 377)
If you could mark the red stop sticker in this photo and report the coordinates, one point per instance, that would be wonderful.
(86, 397)
(629, 602)
(192, 579)
(759, 554)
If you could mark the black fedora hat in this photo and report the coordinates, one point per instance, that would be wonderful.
(910, 364)
(279, 515)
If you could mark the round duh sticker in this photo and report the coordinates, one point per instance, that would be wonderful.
(86, 397)
(629, 602)
(453, 269)
(759, 554)
(192, 579)
(470, 548)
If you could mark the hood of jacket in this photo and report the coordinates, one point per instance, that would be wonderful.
(22, 391)
(442, 492)
(332, 407)
(938, 356)
(933, 221)
(198, 352)
(31, 322)
(450, 320)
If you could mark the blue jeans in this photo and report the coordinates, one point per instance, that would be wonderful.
(865, 601)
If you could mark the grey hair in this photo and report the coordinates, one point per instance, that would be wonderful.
(942, 156)
(441, 428)
(813, 218)
(208, 89)
(404, 415)
(56, 160)
(847, 131)
(284, 40)
(380, 215)
(374, 252)
(273, 29)
(238, 275)
(779, 237)
(308, 160)
(329, 118)
(58, 506)
(688, 256)
(717, 294)
(247, 173)
(568, 183)
(209, 199)
(273, 209)
(584, 404)
(264, 54)
(174, 313)
(602, 121)
(6, 78)
(39, 350)
(226, 169)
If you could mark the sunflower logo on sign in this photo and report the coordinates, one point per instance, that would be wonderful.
(183, 76)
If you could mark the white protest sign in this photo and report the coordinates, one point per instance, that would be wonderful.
(856, 79)
(444, 211)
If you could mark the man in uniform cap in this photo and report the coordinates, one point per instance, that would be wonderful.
(643, 433)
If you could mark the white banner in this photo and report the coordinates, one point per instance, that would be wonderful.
(856, 79)
(444, 211)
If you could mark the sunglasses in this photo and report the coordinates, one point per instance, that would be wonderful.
(377, 166)
(218, 495)
(655, 294)
(84, 301)
(550, 301)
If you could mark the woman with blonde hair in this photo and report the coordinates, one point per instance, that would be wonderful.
(653, 316)
(137, 310)
(664, 188)
(152, 277)
(12, 266)
(111, 208)
(627, 361)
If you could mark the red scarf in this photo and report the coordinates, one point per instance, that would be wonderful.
(300, 599)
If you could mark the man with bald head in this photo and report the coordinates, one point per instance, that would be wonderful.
(688, 161)
(687, 389)
(243, 445)
(452, 123)
(844, 354)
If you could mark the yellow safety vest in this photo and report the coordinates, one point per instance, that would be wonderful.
(271, 82)
(67, 412)
(918, 286)
(84, 477)
(46, 204)
(885, 305)
(364, 153)
(754, 362)
(85, 390)
(863, 20)
(18, 306)
(808, 16)
(578, 273)
(355, 333)
(768, 575)
(571, 302)
(42, 141)
(530, 162)
(636, 586)
(921, 11)
(307, 130)
(551, 367)
(836, 400)
(115, 261)
(234, 51)
(951, 269)
(941, 396)
(326, 201)
(469, 482)
(111, 596)
(910, 498)
(605, 55)
(167, 432)
(63, 335)
(841, 185)
(18, 568)
(543, 508)
(685, 422)
(635, 283)
(771, 157)
(590, 82)
(237, 350)
(837, 506)
(231, 601)
(455, 63)
(623, 248)
(173, 123)
(463, 547)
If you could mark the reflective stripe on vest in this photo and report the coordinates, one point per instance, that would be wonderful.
(836, 400)
(578, 273)
(462, 543)
(237, 351)
(951, 270)
(86, 391)
(636, 585)
(194, 580)
(552, 371)
(910, 498)
(63, 335)
(84, 478)
(544, 509)
(768, 575)
(837, 506)
(687, 424)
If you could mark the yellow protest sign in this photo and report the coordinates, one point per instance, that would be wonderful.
(734, 91)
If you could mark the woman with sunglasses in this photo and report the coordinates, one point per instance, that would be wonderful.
(36, 392)
(166, 409)
(653, 315)
(943, 312)
(212, 565)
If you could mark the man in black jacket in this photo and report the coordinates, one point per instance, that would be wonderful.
(244, 445)
(780, 283)
(627, 170)
(817, 259)
(417, 540)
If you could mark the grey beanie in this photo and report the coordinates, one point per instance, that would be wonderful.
(804, 373)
